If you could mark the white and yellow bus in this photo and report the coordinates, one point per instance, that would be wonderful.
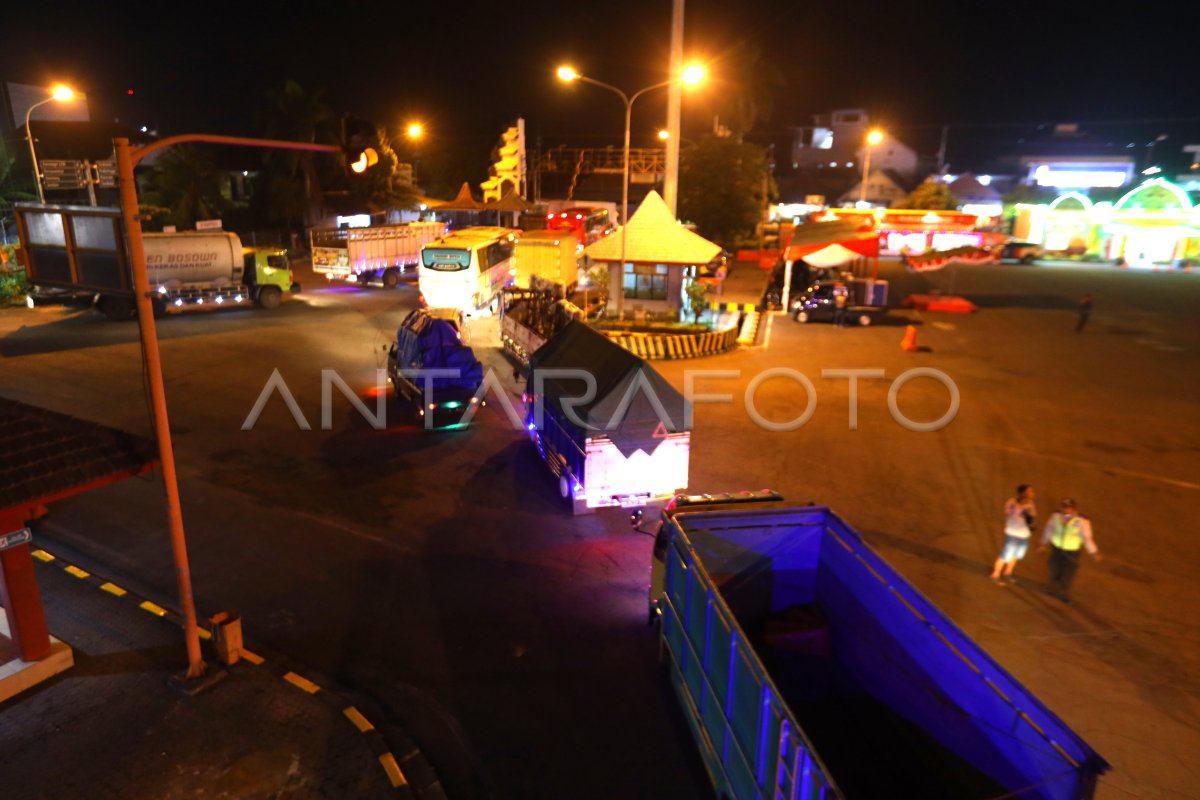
(467, 269)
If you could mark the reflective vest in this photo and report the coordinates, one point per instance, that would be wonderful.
(1067, 534)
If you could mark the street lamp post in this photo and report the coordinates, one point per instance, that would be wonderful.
(692, 75)
(61, 94)
(873, 138)
(415, 131)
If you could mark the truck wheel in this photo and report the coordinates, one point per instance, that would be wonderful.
(118, 309)
(864, 320)
(801, 316)
(391, 277)
(564, 487)
(1029, 259)
(269, 297)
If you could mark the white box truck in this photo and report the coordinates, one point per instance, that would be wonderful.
(381, 253)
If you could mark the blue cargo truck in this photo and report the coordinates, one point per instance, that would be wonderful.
(807, 667)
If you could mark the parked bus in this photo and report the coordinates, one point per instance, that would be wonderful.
(588, 224)
(467, 269)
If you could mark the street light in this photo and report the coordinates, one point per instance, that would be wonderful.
(58, 93)
(415, 131)
(691, 76)
(873, 138)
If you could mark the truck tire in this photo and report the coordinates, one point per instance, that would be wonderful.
(118, 309)
(564, 487)
(801, 316)
(391, 277)
(865, 319)
(269, 296)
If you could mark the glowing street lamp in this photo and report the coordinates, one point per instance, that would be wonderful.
(873, 138)
(58, 93)
(690, 76)
(414, 130)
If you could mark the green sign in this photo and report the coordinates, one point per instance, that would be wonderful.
(23, 536)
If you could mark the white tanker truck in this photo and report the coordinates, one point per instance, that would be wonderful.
(190, 269)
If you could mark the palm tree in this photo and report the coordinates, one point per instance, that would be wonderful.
(187, 181)
(296, 115)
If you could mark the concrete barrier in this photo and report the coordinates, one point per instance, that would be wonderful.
(682, 345)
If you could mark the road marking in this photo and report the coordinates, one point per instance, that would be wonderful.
(76, 571)
(113, 589)
(393, 770)
(301, 683)
(1104, 467)
(767, 333)
(943, 326)
(252, 657)
(153, 608)
(358, 719)
(42, 555)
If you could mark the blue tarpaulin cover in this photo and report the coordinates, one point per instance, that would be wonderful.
(425, 342)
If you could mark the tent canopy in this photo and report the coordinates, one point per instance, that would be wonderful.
(462, 202)
(509, 202)
(831, 255)
(622, 381)
(850, 234)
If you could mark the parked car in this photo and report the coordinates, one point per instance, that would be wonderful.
(817, 303)
(1024, 252)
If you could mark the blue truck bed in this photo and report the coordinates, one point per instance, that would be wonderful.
(807, 667)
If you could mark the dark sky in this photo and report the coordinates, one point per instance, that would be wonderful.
(467, 69)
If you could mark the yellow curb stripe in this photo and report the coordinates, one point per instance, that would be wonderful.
(204, 633)
(113, 589)
(42, 555)
(358, 719)
(153, 608)
(253, 658)
(71, 569)
(393, 770)
(301, 683)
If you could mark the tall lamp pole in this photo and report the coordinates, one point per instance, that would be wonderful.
(61, 94)
(873, 138)
(692, 75)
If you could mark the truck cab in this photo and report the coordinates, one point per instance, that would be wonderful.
(266, 266)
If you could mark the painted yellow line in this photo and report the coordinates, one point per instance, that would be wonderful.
(301, 683)
(393, 770)
(76, 571)
(253, 658)
(42, 555)
(358, 719)
(152, 608)
(113, 589)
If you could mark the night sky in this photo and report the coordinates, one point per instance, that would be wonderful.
(990, 70)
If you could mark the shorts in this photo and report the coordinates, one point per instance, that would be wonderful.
(1014, 548)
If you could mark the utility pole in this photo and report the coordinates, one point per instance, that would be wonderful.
(674, 102)
(942, 150)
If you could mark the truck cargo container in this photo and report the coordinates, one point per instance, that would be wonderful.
(547, 260)
(611, 429)
(380, 253)
(193, 269)
(808, 667)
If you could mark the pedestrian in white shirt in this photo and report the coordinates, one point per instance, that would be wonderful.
(1019, 516)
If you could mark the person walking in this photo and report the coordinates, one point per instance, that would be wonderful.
(1019, 516)
(841, 297)
(1066, 533)
(1085, 311)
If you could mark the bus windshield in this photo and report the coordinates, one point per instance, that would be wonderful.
(445, 259)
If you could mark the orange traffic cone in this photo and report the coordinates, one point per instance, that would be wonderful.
(909, 342)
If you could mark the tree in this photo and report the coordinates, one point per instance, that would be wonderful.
(384, 186)
(933, 195)
(721, 186)
(749, 82)
(187, 181)
(295, 115)
(697, 294)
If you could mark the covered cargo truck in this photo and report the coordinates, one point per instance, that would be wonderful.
(807, 667)
(433, 371)
(612, 430)
(547, 260)
(380, 253)
(194, 269)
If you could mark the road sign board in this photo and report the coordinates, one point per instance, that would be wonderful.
(106, 174)
(59, 174)
(23, 536)
(74, 247)
(208, 224)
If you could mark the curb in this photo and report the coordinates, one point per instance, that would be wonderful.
(653, 346)
(293, 675)
(749, 334)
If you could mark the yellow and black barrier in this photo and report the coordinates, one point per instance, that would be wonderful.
(653, 346)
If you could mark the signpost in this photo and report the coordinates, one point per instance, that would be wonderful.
(23, 536)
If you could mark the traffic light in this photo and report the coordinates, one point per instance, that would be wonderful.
(358, 137)
(508, 172)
